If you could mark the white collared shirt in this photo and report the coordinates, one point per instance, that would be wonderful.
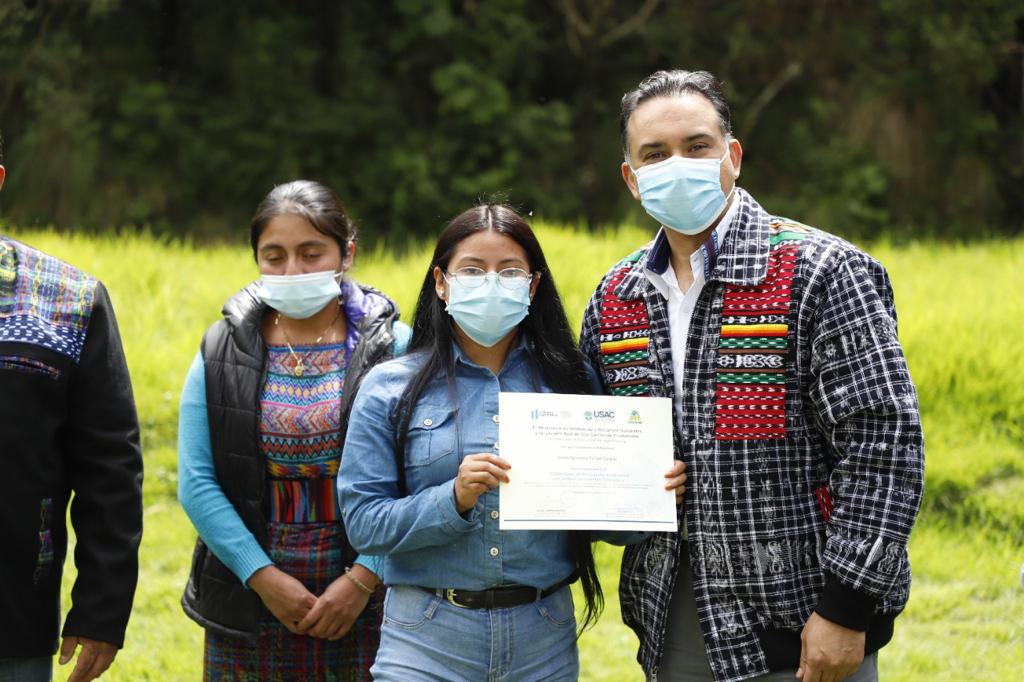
(681, 303)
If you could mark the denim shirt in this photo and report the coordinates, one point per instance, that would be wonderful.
(425, 539)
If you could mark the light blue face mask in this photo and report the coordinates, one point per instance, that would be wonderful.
(487, 313)
(683, 194)
(300, 296)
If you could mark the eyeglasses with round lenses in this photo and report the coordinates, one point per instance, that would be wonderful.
(473, 277)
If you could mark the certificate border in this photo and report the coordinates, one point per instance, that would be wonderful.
(575, 523)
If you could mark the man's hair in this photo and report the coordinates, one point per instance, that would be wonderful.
(671, 84)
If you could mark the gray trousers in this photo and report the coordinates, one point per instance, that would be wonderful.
(684, 659)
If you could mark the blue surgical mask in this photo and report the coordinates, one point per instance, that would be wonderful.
(300, 296)
(487, 313)
(683, 194)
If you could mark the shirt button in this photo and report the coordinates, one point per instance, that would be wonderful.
(494, 551)
(494, 419)
(494, 514)
(496, 447)
(428, 422)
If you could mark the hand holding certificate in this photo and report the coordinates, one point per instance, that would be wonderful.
(586, 462)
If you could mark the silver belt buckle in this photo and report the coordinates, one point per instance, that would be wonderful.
(449, 596)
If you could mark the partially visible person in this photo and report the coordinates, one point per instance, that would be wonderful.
(795, 413)
(274, 580)
(68, 432)
(467, 600)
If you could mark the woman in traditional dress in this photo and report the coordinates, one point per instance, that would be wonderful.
(274, 581)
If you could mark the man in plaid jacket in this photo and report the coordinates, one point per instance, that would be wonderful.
(793, 407)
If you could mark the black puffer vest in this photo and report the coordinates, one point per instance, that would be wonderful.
(235, 360)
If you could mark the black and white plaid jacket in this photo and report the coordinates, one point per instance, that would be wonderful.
(762, 554)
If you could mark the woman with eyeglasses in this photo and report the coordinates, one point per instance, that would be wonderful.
(466, 600)
(274, 580)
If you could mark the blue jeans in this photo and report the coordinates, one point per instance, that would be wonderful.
(425, 637)
(26, 669)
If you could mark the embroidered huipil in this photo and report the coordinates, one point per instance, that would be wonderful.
(425, 540)
(299, 432)
(795, 397)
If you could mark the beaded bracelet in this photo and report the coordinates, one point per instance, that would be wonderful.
(356, 581)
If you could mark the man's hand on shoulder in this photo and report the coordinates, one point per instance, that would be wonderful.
(93, 660)
(828, 651)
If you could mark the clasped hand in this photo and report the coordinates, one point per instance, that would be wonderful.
(480, 472)
(329, 616)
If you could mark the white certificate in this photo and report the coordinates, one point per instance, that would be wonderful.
(585, 462)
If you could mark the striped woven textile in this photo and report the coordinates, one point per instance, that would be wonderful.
(43, 300)
(299, 437)
(625, 332)
(750, 395)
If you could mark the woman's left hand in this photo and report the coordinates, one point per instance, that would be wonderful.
(338, 607)
(676, 478)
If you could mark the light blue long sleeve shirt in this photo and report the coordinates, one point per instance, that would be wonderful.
(209, 509)
(425, 540)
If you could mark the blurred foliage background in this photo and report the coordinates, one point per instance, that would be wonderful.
(895, 117)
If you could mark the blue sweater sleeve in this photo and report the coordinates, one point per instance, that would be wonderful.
(403, 335)
(209, 509)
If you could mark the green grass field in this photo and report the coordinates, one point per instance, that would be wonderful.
(961, 315)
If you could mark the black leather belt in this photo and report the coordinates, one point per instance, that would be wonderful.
(499, 597)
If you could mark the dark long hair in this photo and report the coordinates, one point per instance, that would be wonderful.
(560, 362)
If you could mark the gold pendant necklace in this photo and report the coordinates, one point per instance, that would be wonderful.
(300, 365)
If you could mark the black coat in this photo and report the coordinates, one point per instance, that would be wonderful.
(235, 357)
(67, 424)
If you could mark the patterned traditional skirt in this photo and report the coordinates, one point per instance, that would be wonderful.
(311, 553)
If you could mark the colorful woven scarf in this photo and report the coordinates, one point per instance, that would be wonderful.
(750, 391)
(625, 334)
